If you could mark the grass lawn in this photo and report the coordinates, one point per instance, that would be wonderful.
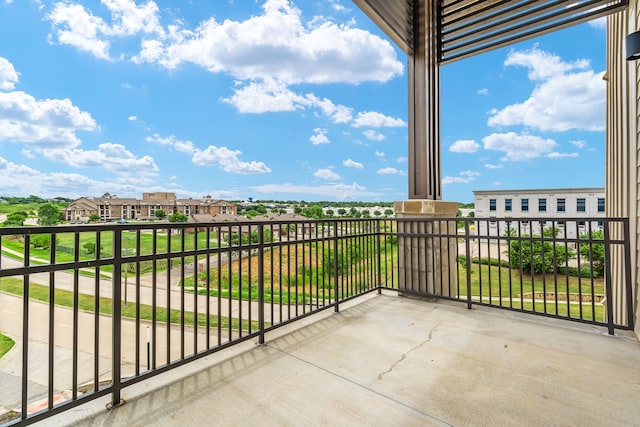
(6, 344)
(87, 303)
(504, 286)
(65, 244)
(299, 274)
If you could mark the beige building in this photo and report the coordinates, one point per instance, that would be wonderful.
(113, 208)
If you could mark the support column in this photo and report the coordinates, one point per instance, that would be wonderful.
(623, 151)
(427, 261)
(424, 105)
(427, 247)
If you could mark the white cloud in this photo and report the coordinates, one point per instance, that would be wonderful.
(275, 96)
(491, 166)
(352, 164)
(464, 146)
(76, 26)
(48, 122)
(341, 191)
(556, 155)
(402, 160)
(277, 44)
(113, 157)
(379, 154)
(266, 96)
(182, 146)
(319, 137)
(327, 174)
(600, 23)
(373, 135)
(578, 144)
(483, 91)
(337, 113)
(464, 177)
(569, 95)
(390, 171)
(519, 147)
(376, 120)
(228, 161)
(8, 75)
(132, 118)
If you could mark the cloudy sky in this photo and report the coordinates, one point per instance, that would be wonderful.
(276, 99)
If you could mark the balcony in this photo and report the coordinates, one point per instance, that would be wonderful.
(166, 318)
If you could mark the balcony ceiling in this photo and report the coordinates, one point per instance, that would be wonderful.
(470, 27)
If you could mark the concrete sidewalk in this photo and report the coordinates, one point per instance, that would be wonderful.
(386, 361)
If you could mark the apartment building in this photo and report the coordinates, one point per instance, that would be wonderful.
(111, 207)
(540, 208)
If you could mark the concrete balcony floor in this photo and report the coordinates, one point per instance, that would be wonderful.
(388, 360)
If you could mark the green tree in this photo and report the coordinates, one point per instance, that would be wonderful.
(593, 252)
(388, 212)
(160, 214)
(90, 247)
(94, 218)
(330, 213)
(15, 219)
(537, 256)
(41, 241)
(313, 211)
(48, 214)
(377, 213)
(342, 211)
(178, 217)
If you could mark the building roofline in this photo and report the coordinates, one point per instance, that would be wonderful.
(542, 190)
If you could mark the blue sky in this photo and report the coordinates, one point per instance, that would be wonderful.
(276, 99)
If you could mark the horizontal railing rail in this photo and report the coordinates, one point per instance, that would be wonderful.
(96, 308)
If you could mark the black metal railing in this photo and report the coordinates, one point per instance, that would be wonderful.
(123, 302)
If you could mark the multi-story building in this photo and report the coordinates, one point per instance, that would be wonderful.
(110, 207)
(536, 208)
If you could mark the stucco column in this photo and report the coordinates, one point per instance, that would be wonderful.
(426, 256)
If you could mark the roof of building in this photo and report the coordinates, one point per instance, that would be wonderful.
(542, 190)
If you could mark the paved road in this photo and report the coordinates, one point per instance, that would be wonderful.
(11, 323)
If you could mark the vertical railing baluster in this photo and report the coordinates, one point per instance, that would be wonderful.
(25, 328)
(335, 266)
(260, 282)
(116, 320)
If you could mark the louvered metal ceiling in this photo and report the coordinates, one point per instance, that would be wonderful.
(394, 17)
(469, 27)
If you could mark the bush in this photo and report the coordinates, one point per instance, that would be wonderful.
(537, 256)
(42, 241)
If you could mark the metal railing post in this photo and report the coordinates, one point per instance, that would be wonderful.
(116, 325)
(468, 261)
(335, 265)
(607, 279)
(260, 283)
(627, 275)
(378, 249)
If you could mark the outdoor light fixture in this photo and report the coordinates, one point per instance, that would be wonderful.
(632, 42)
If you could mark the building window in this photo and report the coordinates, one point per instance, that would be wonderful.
(600, 204)
(524, 205)
(507, 205)
(492, 204)
(542, 205)
(581, 205)
(561, 205)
